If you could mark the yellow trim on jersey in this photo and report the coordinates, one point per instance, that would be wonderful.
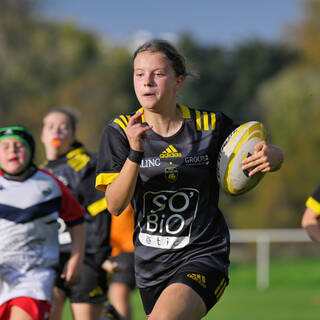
(205, 120)
(79, 162)
(74, 152)
(185, 111)
(219, 286)
(198, 120)
(124, 119)
(221, 291)
(202, 118)
(313, 204)
(96, 292)
(142, 117)
(120, 123)
(78, 159)
(97, 206)
(213, 120)
(103, 179)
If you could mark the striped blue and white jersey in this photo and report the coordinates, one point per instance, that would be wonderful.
(29, 247)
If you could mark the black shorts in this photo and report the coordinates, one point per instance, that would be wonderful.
(126, 274)
(93, 286)
(207, 282)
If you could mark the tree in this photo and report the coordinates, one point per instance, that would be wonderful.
(306, 34)
(227, 80)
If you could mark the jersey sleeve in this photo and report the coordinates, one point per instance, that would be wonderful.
(113, 152)
(313, 202)
(226, 126)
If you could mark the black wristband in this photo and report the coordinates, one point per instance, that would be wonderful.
(135, 156)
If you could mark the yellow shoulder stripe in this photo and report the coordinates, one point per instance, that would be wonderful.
(97, 206)
(313, 204)
(213, 120)
(205, 121)
(77, 158)
(74, 152)
(185, 111)
(79, 161)
(103, 179)
(120, 123)
(122, 120)
(142, 117)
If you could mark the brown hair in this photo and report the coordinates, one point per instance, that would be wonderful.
(157, 45)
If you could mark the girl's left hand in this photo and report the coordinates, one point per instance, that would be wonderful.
(266, 157)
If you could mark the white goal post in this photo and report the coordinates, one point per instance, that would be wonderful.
(263, 238)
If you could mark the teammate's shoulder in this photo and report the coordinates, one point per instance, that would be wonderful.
(204, 119)
(78, 157)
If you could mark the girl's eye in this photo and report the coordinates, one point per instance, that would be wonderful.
(4, 147)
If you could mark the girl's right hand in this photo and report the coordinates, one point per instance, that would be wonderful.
(135, 132)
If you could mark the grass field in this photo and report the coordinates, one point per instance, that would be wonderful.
(294, 294)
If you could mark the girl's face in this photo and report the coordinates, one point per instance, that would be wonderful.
(14, 155)
(155, 81)
(57, 132)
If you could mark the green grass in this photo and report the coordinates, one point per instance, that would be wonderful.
(293, 294)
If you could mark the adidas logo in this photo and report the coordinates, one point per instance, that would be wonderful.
(170, 152)
(201, 279)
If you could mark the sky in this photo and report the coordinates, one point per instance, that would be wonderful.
(213, 22)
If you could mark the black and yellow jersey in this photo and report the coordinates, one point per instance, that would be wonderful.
(313, 202)
(76, 169)
(177, 218)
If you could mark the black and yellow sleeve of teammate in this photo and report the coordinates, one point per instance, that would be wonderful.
(313, 202)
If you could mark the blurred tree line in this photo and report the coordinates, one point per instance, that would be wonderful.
(46, 64)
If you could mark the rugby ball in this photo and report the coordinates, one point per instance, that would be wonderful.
(239, 145)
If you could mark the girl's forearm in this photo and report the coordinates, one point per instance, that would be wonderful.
(120, 192)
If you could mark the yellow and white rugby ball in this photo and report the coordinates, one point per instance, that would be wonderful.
(239, 145)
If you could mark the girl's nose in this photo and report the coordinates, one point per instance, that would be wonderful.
(148, 80)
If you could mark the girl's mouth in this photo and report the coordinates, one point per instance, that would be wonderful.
(55, 142)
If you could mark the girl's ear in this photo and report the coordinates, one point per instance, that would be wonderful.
(179, 83)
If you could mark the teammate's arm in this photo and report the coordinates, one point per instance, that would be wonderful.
(73, 268)
(120, 191)
(73, 215)
(310, 222)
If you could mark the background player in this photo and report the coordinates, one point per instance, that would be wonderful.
(310, 219)
(181, 238)
(30, 202)
(75, 167)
